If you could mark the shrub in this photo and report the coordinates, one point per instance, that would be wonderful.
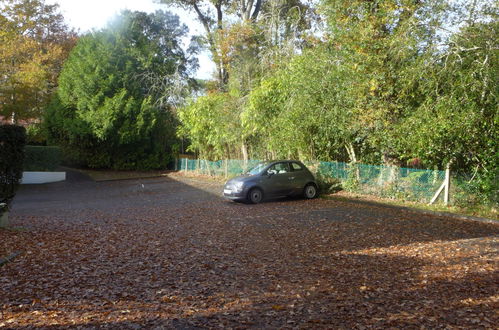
(12, 141)
(352, 183)
(327, 176)
(36, 135)
(41, 158)
(113, 106)
(327, 184)
(480, 189)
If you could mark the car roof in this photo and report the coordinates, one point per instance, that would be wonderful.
(283, 160)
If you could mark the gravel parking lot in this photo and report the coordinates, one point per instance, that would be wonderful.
(171, 252)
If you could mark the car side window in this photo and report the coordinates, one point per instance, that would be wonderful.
(296, 167)
(279, 168)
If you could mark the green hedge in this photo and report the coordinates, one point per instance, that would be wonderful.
(42, 159)
(12, 141)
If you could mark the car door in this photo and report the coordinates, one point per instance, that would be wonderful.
(285, 177)
(298, 178)
(277, 181)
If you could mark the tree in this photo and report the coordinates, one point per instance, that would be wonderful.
(457, 122)
(212, 125)
(304, 110)
(34, 42)
(383, 44)
(279, 18)
(107, 113)
(248, 51)
(211, 15)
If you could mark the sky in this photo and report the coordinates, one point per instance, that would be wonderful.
(94, 14)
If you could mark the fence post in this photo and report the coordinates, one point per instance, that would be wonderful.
(176, 164)
(226, 167)
(186, 165)
(445, 187)
(447, 184)
(207, 167)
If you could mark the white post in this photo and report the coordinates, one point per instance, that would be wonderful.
(445, 187)
(442, 186)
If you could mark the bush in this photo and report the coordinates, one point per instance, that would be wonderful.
(40, 158)
(327, 184)
(114, 101)
(352, 183)
(36, 135)
(12, 141)
(473, 190)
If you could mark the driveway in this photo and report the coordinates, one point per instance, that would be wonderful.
(171, 253)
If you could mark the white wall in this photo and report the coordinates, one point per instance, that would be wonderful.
(42, 177)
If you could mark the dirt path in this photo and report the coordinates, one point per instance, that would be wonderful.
(170, 252)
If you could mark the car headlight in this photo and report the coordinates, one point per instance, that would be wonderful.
(238, 186)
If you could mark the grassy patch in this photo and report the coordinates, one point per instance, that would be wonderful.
(110, 175)
(191, 174)
(478, 211)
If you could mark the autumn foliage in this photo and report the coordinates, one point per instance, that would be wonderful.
(34, 43)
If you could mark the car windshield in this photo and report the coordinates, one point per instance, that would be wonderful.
(258, 168)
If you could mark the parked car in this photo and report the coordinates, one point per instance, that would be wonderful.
(272, 179)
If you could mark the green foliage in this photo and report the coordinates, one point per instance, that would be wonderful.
(107, 114)
(478, 189)
(303, 110)
(352, 183)
(41, 158)
(382, 45)
(36, 135)
(211, 123)
(259, 118)
(12, 141)
(458, 119)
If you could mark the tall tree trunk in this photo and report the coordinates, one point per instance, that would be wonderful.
(353, 159)
(351, 153)
(217, 58)
(249, 11)
(223, 75)
(244, 151)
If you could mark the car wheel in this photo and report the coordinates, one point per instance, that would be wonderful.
(310, 191)
(255, 196)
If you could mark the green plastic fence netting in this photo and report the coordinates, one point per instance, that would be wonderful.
(228, 168)
(384, 181)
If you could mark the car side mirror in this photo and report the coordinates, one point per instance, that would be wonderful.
(270, 173)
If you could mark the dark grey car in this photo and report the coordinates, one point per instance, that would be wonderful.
(272, 179)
